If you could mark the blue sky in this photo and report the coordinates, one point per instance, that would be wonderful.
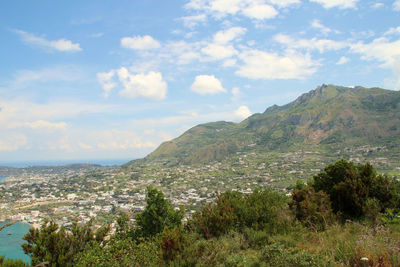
(113, 79)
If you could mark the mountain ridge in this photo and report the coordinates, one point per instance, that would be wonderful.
(326, 118)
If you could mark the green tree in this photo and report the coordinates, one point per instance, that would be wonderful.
(159, 213)
(351, 187)
(312, 209)
(57, 246)
(12, 263)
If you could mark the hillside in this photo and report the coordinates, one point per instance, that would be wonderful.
(325, 119)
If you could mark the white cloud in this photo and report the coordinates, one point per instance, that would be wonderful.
(233, 6)
(377, 5)
(24, 78)
(236, 93)
(42, 124)
(62, 45)
(150, 85)
(119, 140)
(284, 3)
(224, 37)
(396, 5)
(96, 35)
(140, 42)
(392, 31)
(380, 49)
(263, 65)
(318, 25)
(192, 21)
(310, 44)
(196, 4)
(20, 111)
(106, 81)
(243, 112)
(181, 52)
(342, 60)
(225, 6)
(12, 142)
(260, 12)
(396, 72)
(207, 84)
(342, 4)
(85, 146)
(254, 9)
(231, 62)
(217, 52)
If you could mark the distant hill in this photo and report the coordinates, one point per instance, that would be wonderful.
(325, 119)
(11, 171)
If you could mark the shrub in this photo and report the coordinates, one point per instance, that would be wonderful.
(57, 246)
(349, 187)
(312, 209)
(159, 213)
(278, 254)
(172, 242)
(262, 210)
(12, 263)
(120, 253)
(214, 219)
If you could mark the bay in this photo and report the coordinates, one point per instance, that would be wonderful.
(2, 178)
(11, 241)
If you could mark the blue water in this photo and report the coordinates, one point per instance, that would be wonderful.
(103, 162)
(2, 178)
(10, 245)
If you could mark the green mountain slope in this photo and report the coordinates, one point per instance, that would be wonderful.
(325, 119)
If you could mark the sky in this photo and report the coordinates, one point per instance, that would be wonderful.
(99, 79)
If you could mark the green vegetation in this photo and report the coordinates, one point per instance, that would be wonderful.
(57, 246)
(326, 119)
(346, 215)
(12, 263)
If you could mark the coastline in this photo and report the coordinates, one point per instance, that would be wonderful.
(11, 239)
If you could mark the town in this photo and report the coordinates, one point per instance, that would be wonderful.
(102, 193)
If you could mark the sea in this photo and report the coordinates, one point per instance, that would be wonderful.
(11, 237)
(103, 162)
(11, 241)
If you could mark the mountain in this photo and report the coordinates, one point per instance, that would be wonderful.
(325, 119)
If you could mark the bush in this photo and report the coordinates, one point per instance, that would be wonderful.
(214, 219)
(312, 209)
(262, 210)
(278, 254)
(57, 246)
(159, 213)
(349, 187)
(11, 263)
(172, 242)
(120, 253)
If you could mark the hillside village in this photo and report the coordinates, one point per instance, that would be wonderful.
(103, 193)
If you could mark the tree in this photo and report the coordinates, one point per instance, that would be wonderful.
(12, 263)
(351, 188)
(312, 209)
(57, 246)
(159, 213)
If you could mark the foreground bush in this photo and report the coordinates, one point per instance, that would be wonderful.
(11, 263)
(120, 253)
(355, 189)
(312, 208)
(257, 229)
(260, 210)
(57, 246)
(159, 213)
